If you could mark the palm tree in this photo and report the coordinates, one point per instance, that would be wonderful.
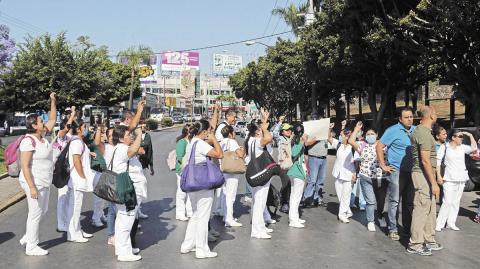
(291, 16)
(134, 57)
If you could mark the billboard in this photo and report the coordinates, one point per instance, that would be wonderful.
(179, 61)
(226, 63)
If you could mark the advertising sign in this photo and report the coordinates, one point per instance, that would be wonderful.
(179, 61)
(226, 63)
(148, 74)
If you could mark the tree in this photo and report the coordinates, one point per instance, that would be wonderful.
(7, 48)
(133, 57)
(290, 15)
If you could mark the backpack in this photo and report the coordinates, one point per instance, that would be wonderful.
(273, 200)
(12, 155)
(172, 160)
(285, 155)
(62, 168)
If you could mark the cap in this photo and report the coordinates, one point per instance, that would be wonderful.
(286, 126)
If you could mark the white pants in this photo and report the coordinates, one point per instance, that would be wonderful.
(260, 195)
(217, 201)
(295, 197)
(98, 204)
(229, 194)
(183, 206)
(123, 226)
(75, 201)
(343, 189)
(196, 235)
(62, 208)
(37, 208)
(452, 194)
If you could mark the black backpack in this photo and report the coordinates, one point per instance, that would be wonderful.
(61, 171)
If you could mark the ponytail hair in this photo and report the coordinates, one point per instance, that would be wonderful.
(76, 125)
(185, 132)
(252, 128)
(198, 127)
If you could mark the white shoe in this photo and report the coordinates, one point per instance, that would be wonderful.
(79, 240)
(111, 240)
(343, 219)
(270, 221)
(182, 218)
(98, 224)
(129, 258)
(302, 221)
(453, 227)
(248, 199)
(210, 254)
(185, 251)
(135, 251)
(269, 230)
(211, 238)
(263, 236)
(438, 229)
(86, 235)
(233, 224)
(371, 227)
(103, 219)
(296, 225)
(23, 240)
(349, 215)
(141, 215)
(37, 251)
(213, 232)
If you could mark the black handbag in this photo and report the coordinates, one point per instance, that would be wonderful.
(260, 169)
(106, 187)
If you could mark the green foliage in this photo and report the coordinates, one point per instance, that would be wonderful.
(166, 122)
(152, 124)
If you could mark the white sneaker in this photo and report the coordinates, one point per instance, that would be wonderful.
(79, 240)
(23, 240)
(37, 251)
(185, 251)
(213, 232)
(349, 215)
(98, 224)
(248, 199)
(302, 221)
(103, 219)
(371, 227)
(141, 215)
(262, 236)
(343, 219)
(129, 258)
(453, 227)
(111, 240)
(135, 251)
(182, 218)
(233, 224)
(211, 238)
(438, 229)
(210, 254)
(270, 221)
(269, 230)
(296, 225)
(87, 235)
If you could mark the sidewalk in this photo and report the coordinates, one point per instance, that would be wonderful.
(10, 192)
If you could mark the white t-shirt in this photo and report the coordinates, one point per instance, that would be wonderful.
(41, 164)
(258, 148)
(135, 170)
(59, 144)
(218, 132)
(107, 154)
(455, 169)
(344, 166)
(201, 150)
(229, 144)
(77, 147)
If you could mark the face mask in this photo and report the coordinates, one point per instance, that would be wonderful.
(85, 133)
(371, 139)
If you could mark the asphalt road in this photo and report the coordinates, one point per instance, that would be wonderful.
(324, 243)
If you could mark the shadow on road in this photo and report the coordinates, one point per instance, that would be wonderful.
(155, 228)
(4, 237)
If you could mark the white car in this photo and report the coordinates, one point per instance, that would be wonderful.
(239, 126)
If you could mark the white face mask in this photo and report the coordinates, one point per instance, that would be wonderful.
(371, 139)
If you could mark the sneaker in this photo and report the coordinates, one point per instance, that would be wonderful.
(98, 224)
(394, 236)
(262, 236)
(37, 251)
(111, 240)
(186, 251)
(129, 258)
(284, 208)
(63, 230)
(302, 221)
(211, 238)
(434, 246)
(269, 230)
(213, 232)
(477, 219)
(135, 251)
(23, 240)
(349, 215)
(248, 199)
(270, 221)
(103, 219)
(87, 235)
(141, 215)
(296, 225)
(139, 226)
(182, 218)
(343, 219)
(79, 240)
(233, 224)
(210, 254)
(453, 227)
(423, 251)
(371, 227)
(438, 229)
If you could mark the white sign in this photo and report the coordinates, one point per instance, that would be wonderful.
(317, 129)
(226, 63)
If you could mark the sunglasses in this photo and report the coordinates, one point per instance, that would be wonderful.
(459, 136)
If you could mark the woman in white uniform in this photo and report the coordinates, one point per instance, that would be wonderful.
(124, 157)
(36, 175)
(197, 230)
(258, 138)
(81, 181)
(183, 206)
(453, 181)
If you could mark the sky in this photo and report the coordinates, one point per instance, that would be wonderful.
(159, 24)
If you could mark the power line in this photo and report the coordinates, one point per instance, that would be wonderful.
(17, 25)
(19, 21)
(270, 18)
(278, 21)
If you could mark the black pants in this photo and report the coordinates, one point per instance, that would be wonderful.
(133, 232)
(286, 187)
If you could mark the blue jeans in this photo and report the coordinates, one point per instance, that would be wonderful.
(400, 185)
(374, 190)
(361, 199)
(318, 170)
(111, 214)
(248, 190)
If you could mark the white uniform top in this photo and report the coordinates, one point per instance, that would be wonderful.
(455, 169)
(107, 155)
(78, 147)
(344, 166)
(120, 161)
(229, 144)
(41, 164)
(59, 144)
(258, 148)
(218, 132)
(201, 150)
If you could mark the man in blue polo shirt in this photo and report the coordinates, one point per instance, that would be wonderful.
(399, 153)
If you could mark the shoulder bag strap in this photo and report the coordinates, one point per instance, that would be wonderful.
(111, 161)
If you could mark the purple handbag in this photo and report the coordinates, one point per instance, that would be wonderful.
(202, 176)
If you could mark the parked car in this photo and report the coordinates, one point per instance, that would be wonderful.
(177, 118)
(2, 131)
(473, 161)
(115, 119)
(187, 118)
(197, 117)
(239, 126)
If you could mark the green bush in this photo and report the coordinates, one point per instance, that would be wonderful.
(152, 124)
(166, 122)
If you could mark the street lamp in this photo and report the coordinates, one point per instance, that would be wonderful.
(253, 42)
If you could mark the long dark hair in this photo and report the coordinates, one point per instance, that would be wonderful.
(76, 125)
(252, 128)
(118, 133)
(30, 121)
(184, 134)
(198, 127)
(298, 131)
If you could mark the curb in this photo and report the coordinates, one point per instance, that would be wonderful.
(166, 128)
(2, 176)
(12, 200)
